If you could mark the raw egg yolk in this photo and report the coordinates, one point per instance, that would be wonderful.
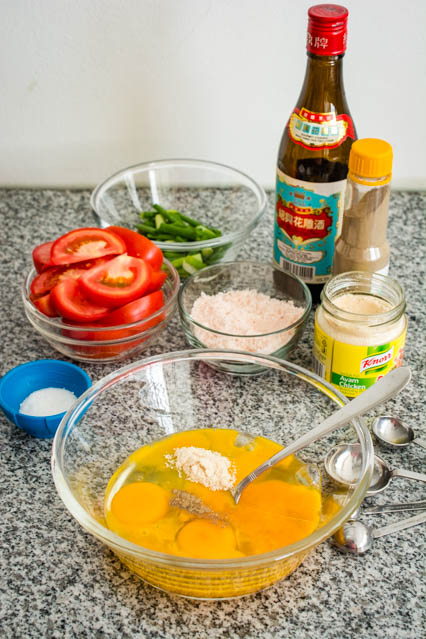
(205, 539)
(140, 503)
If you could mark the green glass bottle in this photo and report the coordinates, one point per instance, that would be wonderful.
(313, 156)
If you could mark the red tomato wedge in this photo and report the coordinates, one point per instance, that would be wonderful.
(157, 280)
(45, 306)
(44, 282)
(134, 311)
(117, 282)
(71, 303)
(139, 246)
(85, 244)
(41, 256)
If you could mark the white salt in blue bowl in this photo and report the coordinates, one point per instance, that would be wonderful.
(23, 380)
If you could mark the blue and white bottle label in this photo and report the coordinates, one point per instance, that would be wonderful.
(307, 223)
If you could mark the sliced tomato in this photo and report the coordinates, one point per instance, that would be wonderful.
(44, 282)
(45, 306)
(41, 256)
(139, 246)
(72, 304)
(134, 311)
(157, 280)
(117, 282)
(85, 244)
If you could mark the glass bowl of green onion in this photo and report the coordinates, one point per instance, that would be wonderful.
(199, 213)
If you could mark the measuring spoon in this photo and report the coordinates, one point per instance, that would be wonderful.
(388, 508)
(344, 462)
(392, 432)
(357, 538)
(389, 386)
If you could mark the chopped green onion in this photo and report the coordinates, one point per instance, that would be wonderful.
(175, 229)
(159, 220)
(172, 226)
(188, 268)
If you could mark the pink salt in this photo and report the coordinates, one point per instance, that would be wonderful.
(249, 317)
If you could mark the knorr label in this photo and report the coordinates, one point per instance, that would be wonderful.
(352, 369)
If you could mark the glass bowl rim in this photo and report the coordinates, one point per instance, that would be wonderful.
(121, 545)
(183, 247)
(56, 323)
(188, 318)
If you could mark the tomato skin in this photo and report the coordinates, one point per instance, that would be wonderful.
(139, 246)
(45, 281)
(157, 280)
(70, 302)
(45, 306)
(85, 244)
(134, 311)
(117, 282)
(41, 256)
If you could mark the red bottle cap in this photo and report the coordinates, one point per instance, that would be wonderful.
(327, 27)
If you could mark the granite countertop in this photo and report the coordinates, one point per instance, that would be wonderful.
(59, 582)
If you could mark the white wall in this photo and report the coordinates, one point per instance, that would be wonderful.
(91, 86)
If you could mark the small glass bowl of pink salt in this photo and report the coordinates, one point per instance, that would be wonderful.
(246, 306)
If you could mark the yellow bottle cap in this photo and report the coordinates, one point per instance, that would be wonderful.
(371, 158)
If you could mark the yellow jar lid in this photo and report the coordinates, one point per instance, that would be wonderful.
(371, 158)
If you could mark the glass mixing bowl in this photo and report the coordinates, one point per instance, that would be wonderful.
(86, 343)
(155, 397)
(216, 195)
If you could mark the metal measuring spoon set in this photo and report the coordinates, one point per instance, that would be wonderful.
(343, 464)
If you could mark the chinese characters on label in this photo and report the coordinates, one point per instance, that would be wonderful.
(319, 130)
(317, 41)
(300, 222)
(306, 224)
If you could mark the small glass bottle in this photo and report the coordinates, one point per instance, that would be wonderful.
(362, 245)
(360, 330)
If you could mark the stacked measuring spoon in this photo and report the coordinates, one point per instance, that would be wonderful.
(343, 464)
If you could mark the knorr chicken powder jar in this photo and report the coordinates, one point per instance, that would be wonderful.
(360, 330)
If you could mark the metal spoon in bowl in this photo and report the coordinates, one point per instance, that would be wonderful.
(344, 462)
(381, 391)
(392, 432)
(357, 538)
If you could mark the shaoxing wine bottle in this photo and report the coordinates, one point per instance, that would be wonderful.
(313, 156)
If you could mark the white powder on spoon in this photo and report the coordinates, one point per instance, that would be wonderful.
(203, 466)
(244, 314)
(47, 401)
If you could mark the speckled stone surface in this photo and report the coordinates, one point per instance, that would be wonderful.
(59, 582)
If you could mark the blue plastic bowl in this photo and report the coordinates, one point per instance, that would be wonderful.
(23, 380)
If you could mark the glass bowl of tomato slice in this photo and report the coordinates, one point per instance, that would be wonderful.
(198, 212)
(98, 295)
